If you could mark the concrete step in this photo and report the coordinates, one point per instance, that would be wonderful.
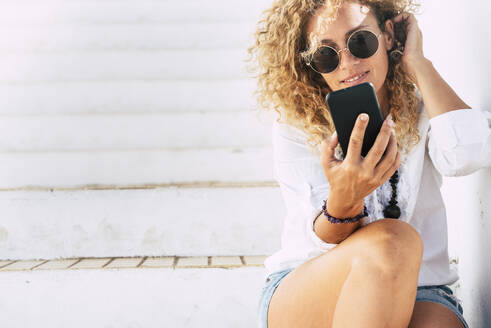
(209, 219)
(116, 97)
(210, 291)
(146, 131)
(109, 12)
(125, 36)
(128, 65)
(123, 168)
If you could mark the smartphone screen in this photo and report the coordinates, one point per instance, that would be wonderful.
(346, 104)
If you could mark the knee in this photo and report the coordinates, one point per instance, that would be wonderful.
(393, 244)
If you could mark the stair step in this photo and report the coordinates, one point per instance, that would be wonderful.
(116, 97)
(108, 12)
(120, 66)
(146, 131)
(169, 221)
(120, 168)
(219, 296)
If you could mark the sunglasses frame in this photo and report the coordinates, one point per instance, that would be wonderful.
(308, 61)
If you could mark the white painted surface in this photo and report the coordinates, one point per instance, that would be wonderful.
(135, 97)
(136, 298)
(134, 131)
(453, 40)
(124, 35)
(210, 64)
(148, 222)
(104, 12)
(140, 167)
(469, 210)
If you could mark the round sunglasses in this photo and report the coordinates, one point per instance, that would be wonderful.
(361, 44)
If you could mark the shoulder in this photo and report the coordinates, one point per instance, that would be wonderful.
(290, 142)
(288, 132)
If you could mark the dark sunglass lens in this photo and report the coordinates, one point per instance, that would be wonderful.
(363, 44)
(325, 60)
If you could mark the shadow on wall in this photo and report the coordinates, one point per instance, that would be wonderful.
(482, 273)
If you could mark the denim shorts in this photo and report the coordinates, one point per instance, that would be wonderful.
(441, 294)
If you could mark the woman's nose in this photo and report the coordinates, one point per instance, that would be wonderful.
(346, 58)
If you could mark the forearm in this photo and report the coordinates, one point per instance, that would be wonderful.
(438, 96)
(334, 233)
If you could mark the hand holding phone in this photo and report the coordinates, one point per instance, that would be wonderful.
(346, 104)
(355, 177)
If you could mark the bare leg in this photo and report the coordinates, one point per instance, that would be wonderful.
(368, 280)
(371, 297)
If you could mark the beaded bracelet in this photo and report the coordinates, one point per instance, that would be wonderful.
(347, 220)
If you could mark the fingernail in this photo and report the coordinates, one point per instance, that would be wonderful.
(333, 135)
(390, 122)
(363, 117)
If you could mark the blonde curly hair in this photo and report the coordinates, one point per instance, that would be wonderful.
(287, 85)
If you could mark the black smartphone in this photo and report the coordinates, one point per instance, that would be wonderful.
(346, 104)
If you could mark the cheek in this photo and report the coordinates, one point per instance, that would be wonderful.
(380, 64)
(331, 82)
(380, 68)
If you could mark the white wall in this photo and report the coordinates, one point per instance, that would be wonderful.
(456, 39)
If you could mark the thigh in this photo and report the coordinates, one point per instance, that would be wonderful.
(307, 296)
(434, 315)
(436, 306)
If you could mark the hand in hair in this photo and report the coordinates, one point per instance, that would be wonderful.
(413, 48)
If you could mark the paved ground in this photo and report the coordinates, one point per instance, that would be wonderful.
(134, 262)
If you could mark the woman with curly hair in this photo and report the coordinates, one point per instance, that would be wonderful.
(364, 242)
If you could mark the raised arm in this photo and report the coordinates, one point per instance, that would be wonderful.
(459, 139)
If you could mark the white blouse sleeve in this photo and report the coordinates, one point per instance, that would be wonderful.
(459, 141)
(303, 185)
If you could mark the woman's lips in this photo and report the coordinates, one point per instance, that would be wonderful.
(361, 79)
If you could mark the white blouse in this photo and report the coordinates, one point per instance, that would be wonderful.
(455, 143)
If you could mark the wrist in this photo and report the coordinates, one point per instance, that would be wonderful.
(340, 209)
(418, 66)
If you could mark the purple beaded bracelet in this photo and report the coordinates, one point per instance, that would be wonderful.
(347, 220)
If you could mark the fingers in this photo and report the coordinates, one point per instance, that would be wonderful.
(327, 150)
(401, 16)
(356, 138)
(389, 160)
(408, 17)
(392, 168)
(380, 144)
